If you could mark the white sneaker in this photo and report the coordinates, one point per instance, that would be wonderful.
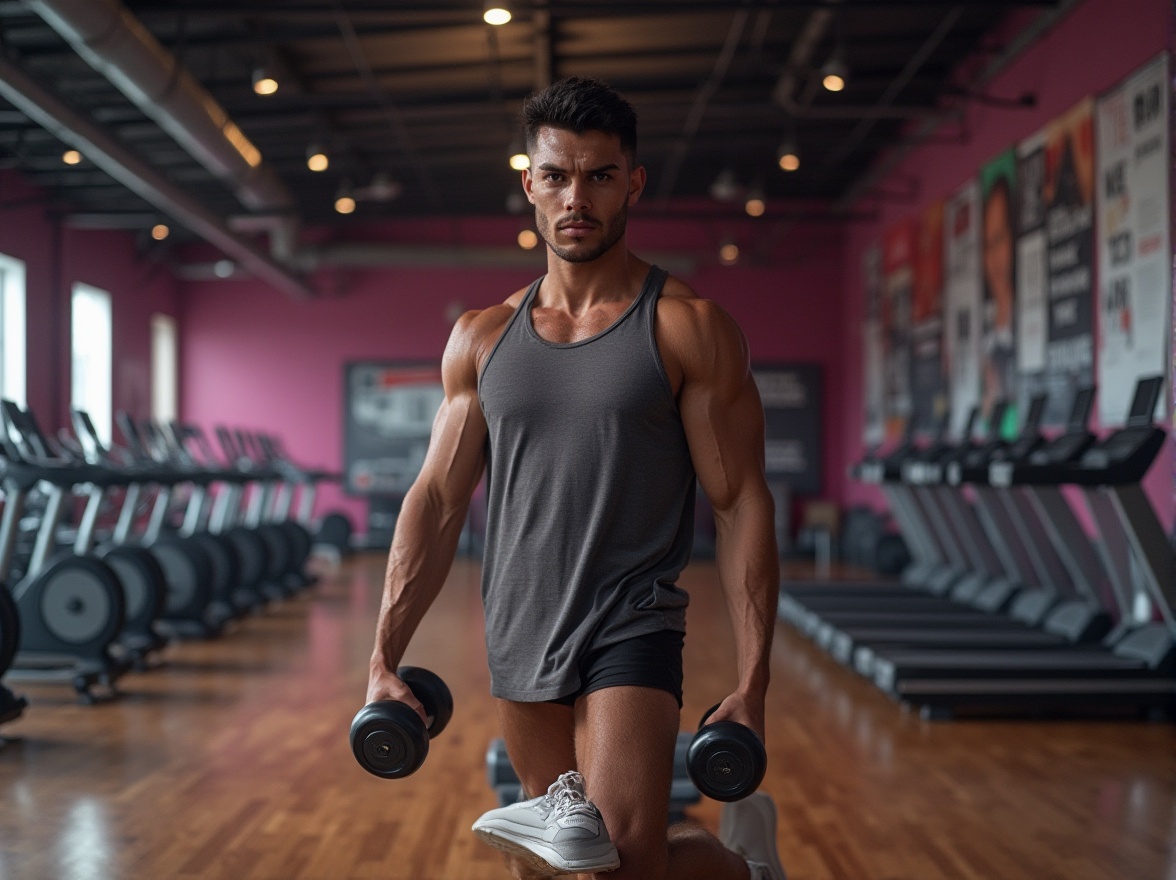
(748, 828)
(560, 832)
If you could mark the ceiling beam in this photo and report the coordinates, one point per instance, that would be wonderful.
(136, 175)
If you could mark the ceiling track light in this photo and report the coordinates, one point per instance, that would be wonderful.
(835, 73)
(788, 154)
(317, 158)
(519, 160)
(755, 205)
(264, 81)
(495, 13)
(344, 200)
(725, 187)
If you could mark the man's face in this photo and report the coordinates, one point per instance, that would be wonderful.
(581, 186)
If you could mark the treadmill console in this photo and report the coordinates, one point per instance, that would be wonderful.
(1126, 454)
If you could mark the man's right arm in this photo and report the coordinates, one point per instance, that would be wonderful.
(434, 510)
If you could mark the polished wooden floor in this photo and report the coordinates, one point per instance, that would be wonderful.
(232, 762)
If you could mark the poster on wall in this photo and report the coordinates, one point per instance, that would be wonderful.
(388, 415)
(928, 377)
(898, 279)
(791, 395)
(998, 340)
(962, 296)
(873, 350)
(1134, 284)
(1056, 211)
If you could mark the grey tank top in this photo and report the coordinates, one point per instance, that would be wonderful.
(591, 497)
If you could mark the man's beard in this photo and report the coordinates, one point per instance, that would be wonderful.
(614, 232)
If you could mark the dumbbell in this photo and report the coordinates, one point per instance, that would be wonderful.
(726, 759)
(388, 737)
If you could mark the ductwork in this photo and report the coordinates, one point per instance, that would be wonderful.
(116, 44)
(48, 111)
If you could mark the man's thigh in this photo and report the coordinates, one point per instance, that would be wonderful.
(539, 740)
(625, 739)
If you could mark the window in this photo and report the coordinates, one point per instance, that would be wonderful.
(90, 346)
(12, 329)
(163, 368)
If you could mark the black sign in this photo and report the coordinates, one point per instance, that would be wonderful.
(791, 395)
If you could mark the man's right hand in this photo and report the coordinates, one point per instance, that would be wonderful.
(384, 685)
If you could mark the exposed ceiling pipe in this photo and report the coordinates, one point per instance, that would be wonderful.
(702, 99)
(367, 255)
(117, 45)
(916, 61)
(48, 111)
(1017, 47)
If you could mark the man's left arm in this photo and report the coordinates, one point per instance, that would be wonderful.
(724, 422)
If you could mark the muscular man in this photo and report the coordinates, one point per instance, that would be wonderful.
(594, 397)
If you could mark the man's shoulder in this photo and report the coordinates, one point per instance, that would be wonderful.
(478, 330)
(681, 310)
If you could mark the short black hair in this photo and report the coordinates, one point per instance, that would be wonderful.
(580, 104)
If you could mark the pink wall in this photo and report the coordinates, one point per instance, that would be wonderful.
(1087, 53)
(55, 259)
(256, 358)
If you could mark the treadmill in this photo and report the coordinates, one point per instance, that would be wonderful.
(1036, 618)
(1135, 667)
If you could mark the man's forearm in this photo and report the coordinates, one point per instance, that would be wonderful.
(423, 548)
(749, 570)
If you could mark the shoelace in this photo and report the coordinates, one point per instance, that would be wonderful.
(567, 796)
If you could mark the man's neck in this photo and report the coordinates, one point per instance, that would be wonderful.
(614, 276)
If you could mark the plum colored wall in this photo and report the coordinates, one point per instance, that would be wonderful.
(256, 358)
(1087, 53)
(55, 259)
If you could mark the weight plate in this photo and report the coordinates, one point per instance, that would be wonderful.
(134, 583)
(179, 573)
(75, 605)
(9, 629)
(251, 551)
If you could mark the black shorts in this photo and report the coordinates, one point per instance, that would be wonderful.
(653, 660)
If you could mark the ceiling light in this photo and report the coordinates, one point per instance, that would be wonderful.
(316, 158)
(160, 231)
(726, 187)
(516, 202)
(224, 268)
(383, 188)
(519, 160)
(71, 157)
(755, 204)
(788, 155)
(528, 239)
(729, 254)
(264, 82)
(835, 74)
(344, 200)
(495, 14)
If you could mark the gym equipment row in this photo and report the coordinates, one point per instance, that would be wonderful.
(173, 541)
(724, 760)
(1009, 607)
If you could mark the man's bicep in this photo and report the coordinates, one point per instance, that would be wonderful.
(453, 464)
(456, 456)
(725, 431)
(721, 408)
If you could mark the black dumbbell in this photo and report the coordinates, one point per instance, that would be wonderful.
(726, 760)
(388, 737)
